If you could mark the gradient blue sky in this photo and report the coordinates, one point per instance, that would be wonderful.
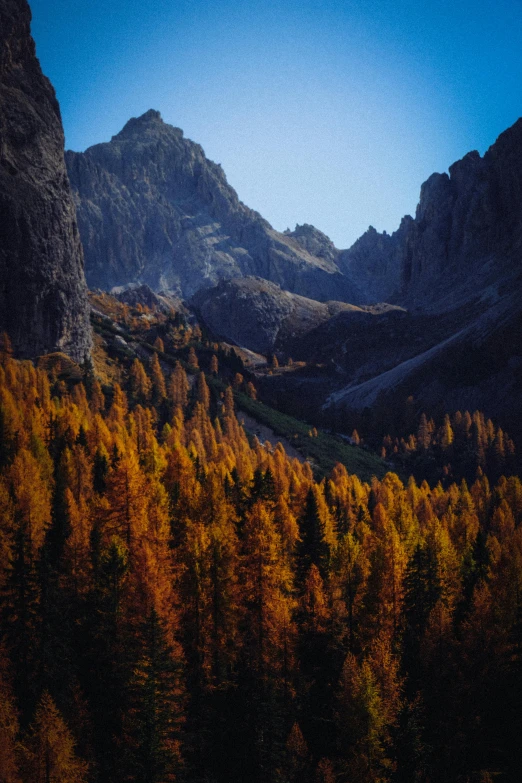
(329, 112)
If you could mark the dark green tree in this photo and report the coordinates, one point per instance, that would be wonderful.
(155, 719)
(312, 548)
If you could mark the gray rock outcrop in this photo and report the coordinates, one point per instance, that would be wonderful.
(314, 242)
(43, 295)
(259, 315)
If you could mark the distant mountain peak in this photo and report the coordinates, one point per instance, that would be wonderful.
(150, 121)
(314, 241)
(152, 208)
(150, 116)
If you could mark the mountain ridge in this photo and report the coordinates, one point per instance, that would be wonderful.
(153, 209)
(460, 217)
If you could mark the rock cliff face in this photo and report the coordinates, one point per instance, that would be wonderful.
(153, 209)
(455, 268)
(43, 296)
(465, 236)
(461, 280)
(375, 262)
(314, 242)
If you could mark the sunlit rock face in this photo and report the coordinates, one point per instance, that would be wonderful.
(43, 295)
(153, 209)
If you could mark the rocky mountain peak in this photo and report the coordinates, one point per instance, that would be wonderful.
(314, 241)
(149, 124)
(153, 209)
(467, 227)
(465, 167)
(509, 142)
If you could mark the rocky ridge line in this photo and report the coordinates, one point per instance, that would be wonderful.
(153, 209)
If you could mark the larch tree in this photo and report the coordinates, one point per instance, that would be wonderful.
(159, 344)
(126, 494)
(49, 751)
(178, 387)
(361, 722)
(33, 499)
(202, 391)
(251, 390)
(192, 360)
(159, 390)
(139, 383)
(351, 570)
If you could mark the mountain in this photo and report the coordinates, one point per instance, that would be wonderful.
(455, 271)
(260, 316)
(466, 234)
(43, 295)
(456, 268)
(153, 209)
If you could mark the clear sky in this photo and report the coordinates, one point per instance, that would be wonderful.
(329, 112)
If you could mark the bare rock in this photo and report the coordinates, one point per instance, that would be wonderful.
(466, 235)
(153, 209)
(43, 295)
(258, 315)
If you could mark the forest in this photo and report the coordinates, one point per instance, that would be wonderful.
(180, 602)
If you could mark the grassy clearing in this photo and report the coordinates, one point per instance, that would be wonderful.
(324, 450)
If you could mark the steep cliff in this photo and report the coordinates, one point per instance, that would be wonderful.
(153, 209)
(455, 269)
(465, 236)
(43, 296)
(375, 262)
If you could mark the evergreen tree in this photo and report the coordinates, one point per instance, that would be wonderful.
(312, 548)
(155, 717)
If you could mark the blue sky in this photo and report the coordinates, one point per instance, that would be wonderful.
(330, 112)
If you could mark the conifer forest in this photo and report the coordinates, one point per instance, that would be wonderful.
(181, 602)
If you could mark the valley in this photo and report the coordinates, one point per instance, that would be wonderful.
(260, 496)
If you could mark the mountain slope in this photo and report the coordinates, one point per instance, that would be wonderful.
(43, 296)
(153, 209)
(259, 315)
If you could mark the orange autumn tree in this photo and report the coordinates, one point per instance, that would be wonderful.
(217, 608)
(49, 753)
